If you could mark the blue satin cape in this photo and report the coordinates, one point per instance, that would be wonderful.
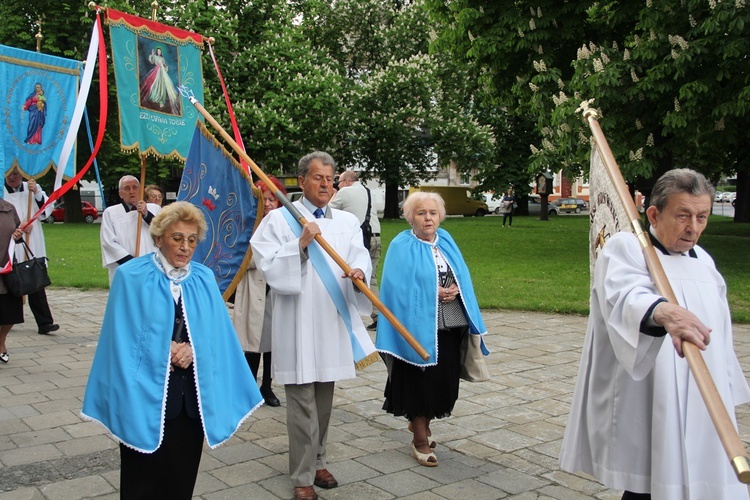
(408, 288)
(126, 389)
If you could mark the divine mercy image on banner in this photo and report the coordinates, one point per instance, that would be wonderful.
(158, 87)
(151, 62)
(39, 93)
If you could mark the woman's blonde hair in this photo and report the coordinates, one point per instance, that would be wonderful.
(417, 199)
(180, 211)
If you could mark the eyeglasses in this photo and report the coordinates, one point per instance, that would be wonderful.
(180, 238)
(155, 196)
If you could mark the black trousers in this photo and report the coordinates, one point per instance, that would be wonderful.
(168, 473)
(40, 308)
(509, 217)
(253, 359)
(629, 495)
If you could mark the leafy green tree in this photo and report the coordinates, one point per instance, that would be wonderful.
(292, 100)
(670, 76)
(410, 112)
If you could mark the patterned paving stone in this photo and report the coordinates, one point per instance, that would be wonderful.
(502, 441)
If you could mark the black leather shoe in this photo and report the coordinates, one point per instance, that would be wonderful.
(270, 397)
(373, 326)
(46, 329)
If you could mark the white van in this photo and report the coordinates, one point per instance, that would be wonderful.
(493, 201)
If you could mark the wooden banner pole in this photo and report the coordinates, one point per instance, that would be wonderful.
(322, 242)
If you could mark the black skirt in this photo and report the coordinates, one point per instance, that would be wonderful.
(11, 309)
(430, 392)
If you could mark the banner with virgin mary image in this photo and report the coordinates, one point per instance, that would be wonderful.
(151, 62)
(38, 98)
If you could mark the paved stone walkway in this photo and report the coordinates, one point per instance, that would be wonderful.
(501, 442)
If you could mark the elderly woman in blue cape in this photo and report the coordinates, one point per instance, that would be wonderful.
(158, 92)
(427, 285)
(168, 368)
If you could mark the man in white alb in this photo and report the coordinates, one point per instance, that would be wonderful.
(317, 333)
(638, 422)
(120, 224)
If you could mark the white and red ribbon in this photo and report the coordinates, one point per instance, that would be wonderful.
(96, 48)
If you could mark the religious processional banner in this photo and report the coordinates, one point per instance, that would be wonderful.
(151, 62)
(607, 213)
(217, 184)
(38, 98)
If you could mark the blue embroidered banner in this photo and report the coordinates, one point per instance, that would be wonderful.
(38, 98)
(216, 183)
(151, 61)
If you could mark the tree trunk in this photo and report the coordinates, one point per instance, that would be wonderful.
(73, 210)
(391, 211)
(742, 205)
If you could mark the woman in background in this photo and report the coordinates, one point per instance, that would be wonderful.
(507, 203)
(11, 306)
(252, 301)
(153, 194)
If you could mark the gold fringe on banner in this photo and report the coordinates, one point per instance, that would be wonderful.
(365, 362)
(45, 67)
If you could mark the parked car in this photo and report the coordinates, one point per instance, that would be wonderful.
(90, 213)
(493, 203)
(570, 205)
(724, 196)
(535, 206)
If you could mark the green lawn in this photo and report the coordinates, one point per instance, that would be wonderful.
(534, 266)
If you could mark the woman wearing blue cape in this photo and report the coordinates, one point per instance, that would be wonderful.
(168, 370)
(427, 285)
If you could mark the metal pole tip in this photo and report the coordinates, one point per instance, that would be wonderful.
(741, 467)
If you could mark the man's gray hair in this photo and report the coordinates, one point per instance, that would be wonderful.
(304, 162)
(349, 175)
(127, 178)
(680, 180)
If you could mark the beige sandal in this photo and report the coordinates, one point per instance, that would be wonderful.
(433, 443)
(426, 459)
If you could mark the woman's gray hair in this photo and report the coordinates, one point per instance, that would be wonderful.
(304, 162)
(417, 199)
(179, 211)
(680, 180)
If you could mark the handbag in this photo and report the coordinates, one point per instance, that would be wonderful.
(473, 367)
(28, 276)
(366, 228)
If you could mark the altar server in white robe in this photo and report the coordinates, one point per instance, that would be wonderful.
(638, 422)
(120, 225)
(27, 198)
(311, 343)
